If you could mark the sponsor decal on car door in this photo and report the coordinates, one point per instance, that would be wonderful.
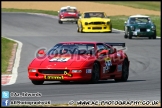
(108, 63)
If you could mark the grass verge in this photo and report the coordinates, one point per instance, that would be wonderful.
(150, 5)
(29, 10)
(117, 21)
(6, 46)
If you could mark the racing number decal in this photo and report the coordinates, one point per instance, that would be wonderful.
(108, 63)
(60, 59)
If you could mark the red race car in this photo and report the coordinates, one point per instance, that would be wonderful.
(68, 14)
(80, 61)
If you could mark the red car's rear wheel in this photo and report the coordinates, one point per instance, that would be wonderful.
(125, 71)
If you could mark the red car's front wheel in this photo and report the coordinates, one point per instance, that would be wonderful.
(95, 73)
(37, 82)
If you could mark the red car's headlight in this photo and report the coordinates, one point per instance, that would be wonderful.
(76, 71)
(32, 70)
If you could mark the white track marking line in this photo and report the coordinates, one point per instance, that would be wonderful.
(16, 62)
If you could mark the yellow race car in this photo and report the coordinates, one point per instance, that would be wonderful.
(94, 22)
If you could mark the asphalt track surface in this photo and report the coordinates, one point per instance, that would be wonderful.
(40, 31)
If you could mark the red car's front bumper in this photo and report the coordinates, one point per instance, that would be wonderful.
(59, 77)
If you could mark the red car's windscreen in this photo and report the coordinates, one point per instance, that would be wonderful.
(69, 10)
(72, 49)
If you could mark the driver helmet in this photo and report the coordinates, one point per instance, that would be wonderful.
(64, 51)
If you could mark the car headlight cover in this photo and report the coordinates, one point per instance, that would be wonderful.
(132, 28)
(86, 23)
(153, 27)
(108, 23)
(32, 70)
(76, 71)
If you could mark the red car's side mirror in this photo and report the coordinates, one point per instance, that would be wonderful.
(115, 50)
(41, 52)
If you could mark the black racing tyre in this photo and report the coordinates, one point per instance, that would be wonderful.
(125, 36)
(129, 35)
(95, 73)
(81, 29)
(154, 36)
(60, 22)
(37, 82)
(111, 29)
(78, 28)
(125, 72)
(149, 37)
(76, 22)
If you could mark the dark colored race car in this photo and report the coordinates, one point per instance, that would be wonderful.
(139, 26)
(68, 14)
(80, 61)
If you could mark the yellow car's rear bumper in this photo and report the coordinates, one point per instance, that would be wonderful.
(97, 29)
